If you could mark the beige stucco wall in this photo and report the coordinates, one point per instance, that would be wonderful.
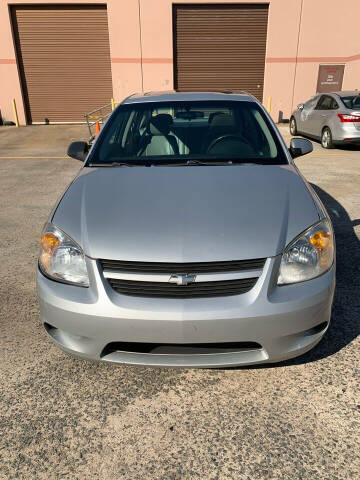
(327, 35)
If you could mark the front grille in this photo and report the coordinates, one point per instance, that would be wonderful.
(192, 290)
(194, 267)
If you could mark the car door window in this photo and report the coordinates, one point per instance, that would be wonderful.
(319, 104)
(352, 102)
(324, 103)
(334, 105)
(356, 102)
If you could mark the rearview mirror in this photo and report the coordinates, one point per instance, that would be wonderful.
(78, 150)
(300, 146)
(300, 106)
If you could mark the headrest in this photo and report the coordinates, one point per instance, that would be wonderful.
(160, 124)
(212, 115)
(223, 120)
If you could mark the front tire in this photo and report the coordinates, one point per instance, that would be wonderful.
(326, 139)
(293, 127)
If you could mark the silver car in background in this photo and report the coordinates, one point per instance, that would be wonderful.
(332, 118)
(188, 238)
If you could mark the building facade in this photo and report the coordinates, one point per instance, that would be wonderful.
(61, 59)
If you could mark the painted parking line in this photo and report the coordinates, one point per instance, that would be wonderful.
(330, 155)
(50, 156)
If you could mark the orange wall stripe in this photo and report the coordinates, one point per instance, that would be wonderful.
(144, 60)
(352, 58)
(7, 60)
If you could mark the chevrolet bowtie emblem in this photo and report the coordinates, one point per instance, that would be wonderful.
(182, 278)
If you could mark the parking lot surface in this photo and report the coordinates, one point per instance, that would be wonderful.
(64, 418)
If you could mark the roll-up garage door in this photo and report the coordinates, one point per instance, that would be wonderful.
(64, 60)
(220, 47)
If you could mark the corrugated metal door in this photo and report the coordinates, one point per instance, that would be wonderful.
(64, 60)
(220, 47)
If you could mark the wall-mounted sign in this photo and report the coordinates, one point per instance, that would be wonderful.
(330, 78)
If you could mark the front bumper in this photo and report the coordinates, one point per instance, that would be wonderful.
(285, 321)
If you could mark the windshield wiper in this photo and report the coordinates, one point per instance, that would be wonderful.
(190, 163)
(215, 161)
(181, 163)
(119, 164)
(209, 162)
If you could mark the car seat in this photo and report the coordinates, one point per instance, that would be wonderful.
(220, 124)
(158, 140)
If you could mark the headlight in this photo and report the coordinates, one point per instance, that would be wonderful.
(309, 255)
(61, 258)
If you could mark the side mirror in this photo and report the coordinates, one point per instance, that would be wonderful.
(78, 150)
(300, 106)
(300, 146)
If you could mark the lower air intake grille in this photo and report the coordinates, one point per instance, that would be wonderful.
(180, 349)
(193, 290)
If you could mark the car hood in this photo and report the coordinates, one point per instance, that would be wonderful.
(186, 214)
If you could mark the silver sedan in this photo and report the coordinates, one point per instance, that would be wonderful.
(332, 118)
(188, 238)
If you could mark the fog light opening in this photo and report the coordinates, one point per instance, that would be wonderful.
(317, 329)
(49, 328)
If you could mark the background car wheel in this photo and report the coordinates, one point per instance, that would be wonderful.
(293, 127)
(326, 138)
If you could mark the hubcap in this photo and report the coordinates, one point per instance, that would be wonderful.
(292, 126)
(326, 138)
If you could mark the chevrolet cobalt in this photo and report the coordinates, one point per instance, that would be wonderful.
(188, 238)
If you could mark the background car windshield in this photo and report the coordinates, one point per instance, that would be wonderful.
(352, 101)
(184, 131)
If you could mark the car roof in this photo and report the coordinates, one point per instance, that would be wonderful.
(172, 95)
(347, 93)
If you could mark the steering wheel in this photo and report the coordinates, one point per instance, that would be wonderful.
(227, 137)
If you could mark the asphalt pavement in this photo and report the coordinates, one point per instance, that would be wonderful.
(64, 418)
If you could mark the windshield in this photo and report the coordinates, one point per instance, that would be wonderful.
(180, 132)
(352, 102)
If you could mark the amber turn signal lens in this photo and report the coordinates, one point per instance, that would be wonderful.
(49, 241)
(321, 240)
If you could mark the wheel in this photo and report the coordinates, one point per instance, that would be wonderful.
(293, 127)
(326, 138)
